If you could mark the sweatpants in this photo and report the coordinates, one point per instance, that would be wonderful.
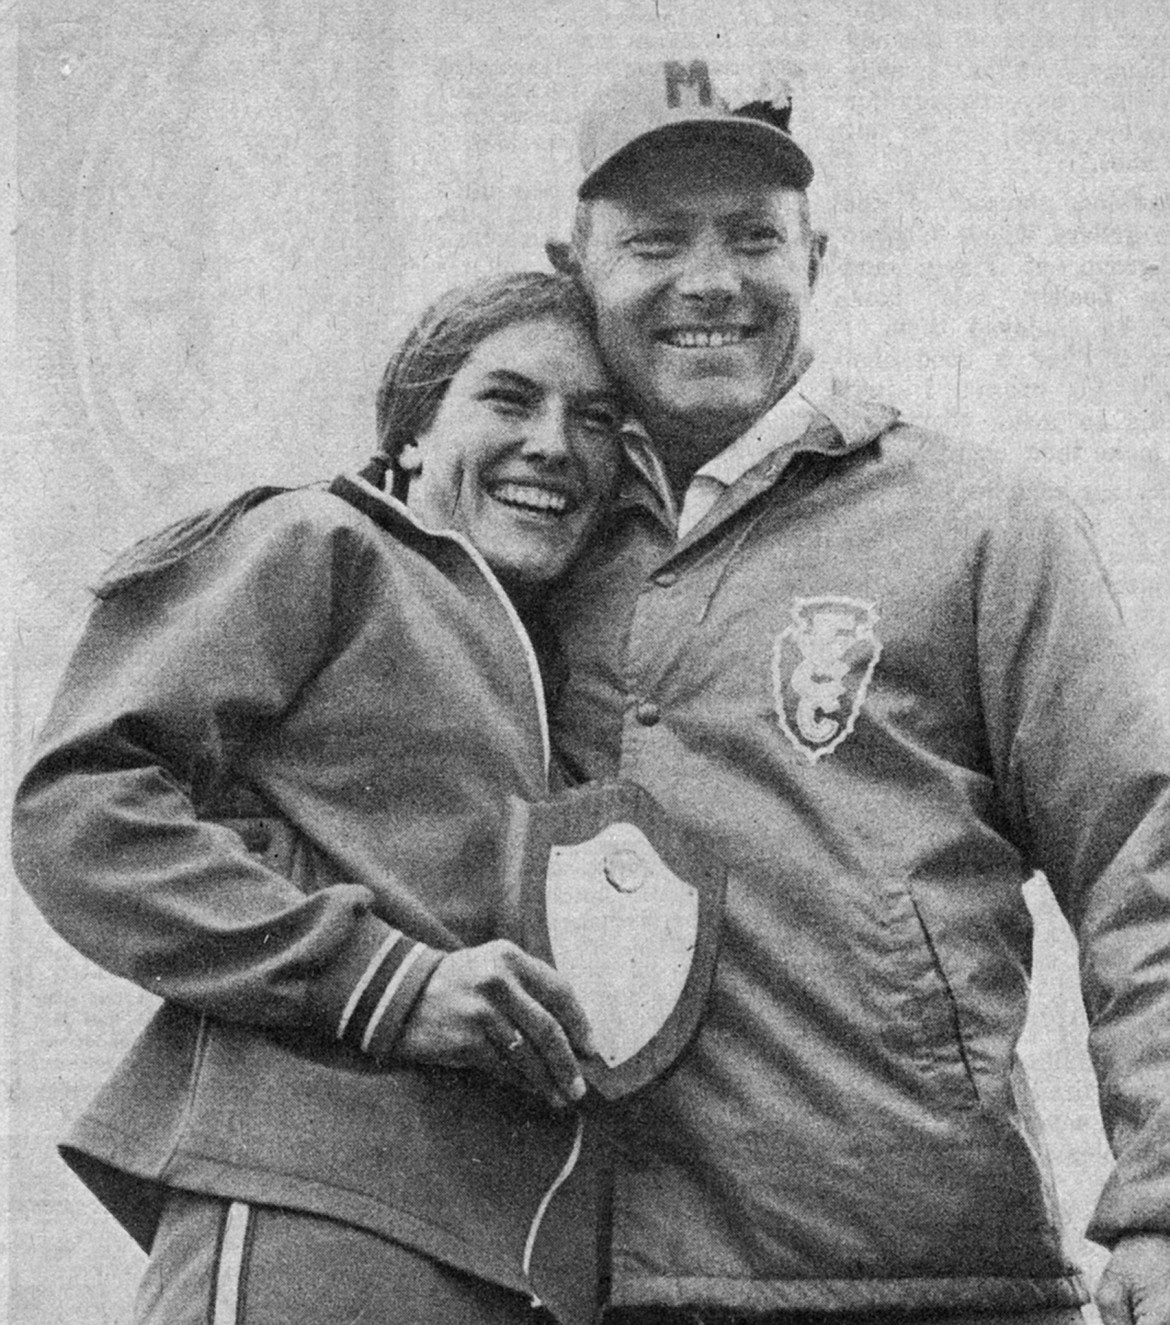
(681, 1316)
(217, 1262)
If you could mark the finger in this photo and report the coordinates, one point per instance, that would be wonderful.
(546, 1042)
(533, 1067)
(520, 1065)
(508, 1065)
(553, 992)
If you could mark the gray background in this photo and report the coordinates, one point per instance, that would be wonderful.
(227, 210)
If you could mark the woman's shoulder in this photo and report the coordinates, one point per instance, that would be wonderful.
(309, 511)
(255, 522)
(343, 505)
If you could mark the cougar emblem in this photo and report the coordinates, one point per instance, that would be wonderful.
(822, 665)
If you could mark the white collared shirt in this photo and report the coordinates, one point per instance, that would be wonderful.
(783, 425)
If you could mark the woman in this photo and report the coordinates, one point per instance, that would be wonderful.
(354, 1101)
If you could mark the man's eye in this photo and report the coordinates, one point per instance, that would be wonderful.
(759, 239)
(655, 244)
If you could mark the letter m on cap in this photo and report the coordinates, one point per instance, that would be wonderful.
(695, 80)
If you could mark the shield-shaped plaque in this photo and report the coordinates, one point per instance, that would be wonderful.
(606, 888)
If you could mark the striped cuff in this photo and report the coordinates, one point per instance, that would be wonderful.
(384, 995)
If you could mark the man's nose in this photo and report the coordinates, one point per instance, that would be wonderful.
(709, 270)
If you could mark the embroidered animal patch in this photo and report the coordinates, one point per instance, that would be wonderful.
(822, 665)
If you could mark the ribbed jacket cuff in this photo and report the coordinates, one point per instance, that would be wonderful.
(368, 996)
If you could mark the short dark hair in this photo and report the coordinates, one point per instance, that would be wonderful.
(420, 370)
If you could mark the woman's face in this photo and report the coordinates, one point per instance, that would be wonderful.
(523, 451)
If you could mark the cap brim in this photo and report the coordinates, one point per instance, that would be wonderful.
(772, 149)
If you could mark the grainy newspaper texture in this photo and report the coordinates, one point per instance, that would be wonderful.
(221, 213)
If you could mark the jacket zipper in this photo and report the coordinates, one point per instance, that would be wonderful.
(497, 588)
(542, 717)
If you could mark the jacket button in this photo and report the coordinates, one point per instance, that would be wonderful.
(647, 713)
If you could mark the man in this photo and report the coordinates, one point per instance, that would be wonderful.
(886, 681)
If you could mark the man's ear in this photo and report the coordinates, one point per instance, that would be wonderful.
(560, 254)
(816, 255)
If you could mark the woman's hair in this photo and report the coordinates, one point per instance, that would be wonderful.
(412, 388)
(444, 337)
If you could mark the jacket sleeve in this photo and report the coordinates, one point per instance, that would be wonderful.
(1082, 757)
(170, 677)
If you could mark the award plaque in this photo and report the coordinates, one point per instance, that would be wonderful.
(603, 886)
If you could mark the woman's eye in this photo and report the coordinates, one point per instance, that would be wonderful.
(506, 402)
(601, 420)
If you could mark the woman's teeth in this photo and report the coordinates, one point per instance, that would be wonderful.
(531, 498)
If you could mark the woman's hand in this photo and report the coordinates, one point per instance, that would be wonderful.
(496, 1008)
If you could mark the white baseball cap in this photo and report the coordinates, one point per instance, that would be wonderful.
(673, 98)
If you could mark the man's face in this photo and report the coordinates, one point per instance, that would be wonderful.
(701, 274)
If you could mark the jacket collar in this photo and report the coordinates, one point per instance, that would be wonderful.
(397, 518)
(782, 426)
(838, 417)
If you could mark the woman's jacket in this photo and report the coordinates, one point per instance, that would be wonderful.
(370, 686)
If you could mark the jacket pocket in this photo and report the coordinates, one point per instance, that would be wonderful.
(927, 1025)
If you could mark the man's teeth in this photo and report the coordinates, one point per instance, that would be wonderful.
(690, 340)
(534, 499)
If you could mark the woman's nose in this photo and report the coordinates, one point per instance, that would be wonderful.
(546, 433)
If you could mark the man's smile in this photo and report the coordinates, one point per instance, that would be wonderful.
(704, 338)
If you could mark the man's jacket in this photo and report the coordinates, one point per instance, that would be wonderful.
(886, 681)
